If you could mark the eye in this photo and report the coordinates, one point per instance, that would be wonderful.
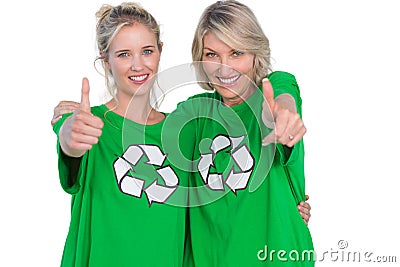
(147, 52)
(237, 53)
(211, 54)
(123, 54)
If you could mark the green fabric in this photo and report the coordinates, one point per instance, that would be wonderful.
(111, 228)
(245, 224)
(108, 226)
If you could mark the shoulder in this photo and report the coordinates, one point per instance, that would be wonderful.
(98, 110)
(281, 75)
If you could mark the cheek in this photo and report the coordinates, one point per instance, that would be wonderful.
(153, 62)
(245, 65)
(209, 66)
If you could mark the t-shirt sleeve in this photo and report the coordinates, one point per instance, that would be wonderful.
(68, 167)
(285, 83)
(292, 159)
(294, 167)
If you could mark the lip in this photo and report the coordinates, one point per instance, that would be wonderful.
(228, 81)
(139, 79)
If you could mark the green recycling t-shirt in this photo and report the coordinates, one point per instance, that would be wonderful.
(121, 193)
(244, 196)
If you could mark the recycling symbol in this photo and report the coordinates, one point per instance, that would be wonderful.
(235, 180)
(125, 165)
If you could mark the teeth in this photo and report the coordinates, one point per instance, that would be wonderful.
(230, 80)
(138, 78)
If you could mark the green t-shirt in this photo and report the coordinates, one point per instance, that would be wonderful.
(120, 214)
(244, 195)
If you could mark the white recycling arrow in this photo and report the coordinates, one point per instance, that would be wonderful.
(220, 142)
(205, 162)
(158, 193)
(133, 154)
(243, 158)
(121, 168)
(168, 175)
(215, 181)
(237, 181)
(132, 186)
(236, 141)
(154, 155)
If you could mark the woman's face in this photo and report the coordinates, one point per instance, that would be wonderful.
(133, 59)
(230, 71)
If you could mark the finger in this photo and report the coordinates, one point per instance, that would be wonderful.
(307, 197)
(305, 205)
(305, 218)
(303, 209)
(80, 146)
(294, 130)
(269, 103)
(85, 138)
(297, 137)
(268, 93)
(84, 133)
(269, 139)
(55, 119)
(68, 103)
(64, 109)
(89, 120)
(281, 125)
(85, 103)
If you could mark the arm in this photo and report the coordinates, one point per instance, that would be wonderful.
(69, 129)
(286, 114)
(281, 113)
(82, 130)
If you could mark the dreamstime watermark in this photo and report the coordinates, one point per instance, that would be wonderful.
(341, 253)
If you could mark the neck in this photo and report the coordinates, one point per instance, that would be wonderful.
(137, 109)
(238, 99)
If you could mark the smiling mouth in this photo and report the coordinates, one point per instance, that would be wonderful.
(139, 78)
(228, 80)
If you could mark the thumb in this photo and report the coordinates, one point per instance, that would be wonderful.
(85, 103)
(269, 103)
(269, 139)
(268, 93)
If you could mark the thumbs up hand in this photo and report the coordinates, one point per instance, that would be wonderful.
(281, 115)
(82, 130)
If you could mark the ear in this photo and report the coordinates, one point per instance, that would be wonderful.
(103, 57)
(160, 46)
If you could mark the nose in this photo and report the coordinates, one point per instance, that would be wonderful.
(137, 63)
(225, 70)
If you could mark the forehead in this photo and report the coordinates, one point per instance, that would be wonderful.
(211, 41)
(136, 35)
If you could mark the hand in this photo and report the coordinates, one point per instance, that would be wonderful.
(304, 209)
(82, 130)
(289, 127)
(62, 108)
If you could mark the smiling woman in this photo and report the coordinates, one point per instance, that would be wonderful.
(234, 84)
(132, 61)
(117, 202)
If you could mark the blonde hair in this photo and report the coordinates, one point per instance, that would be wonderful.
(111, 19)
(236, 25)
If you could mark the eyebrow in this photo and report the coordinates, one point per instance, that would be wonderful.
(127, 50)
(207, 48)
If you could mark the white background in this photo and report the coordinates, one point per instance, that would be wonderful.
(345, 55)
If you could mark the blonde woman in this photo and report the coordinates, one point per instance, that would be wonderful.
(257, 184)
(120, 182)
